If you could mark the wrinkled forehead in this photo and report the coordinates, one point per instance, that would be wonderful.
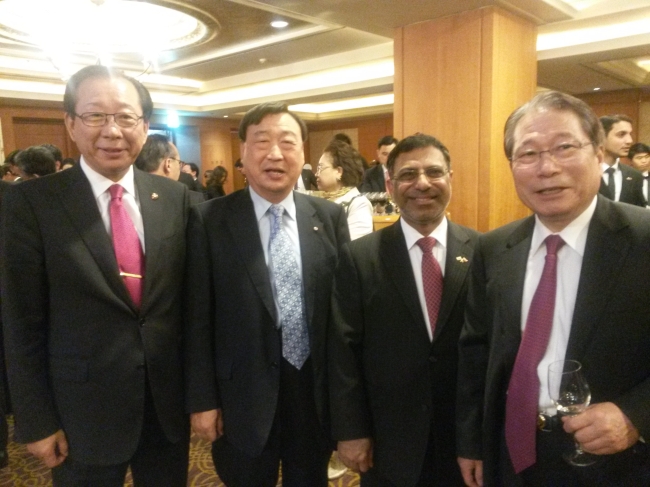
(542, 124)
(420, 157)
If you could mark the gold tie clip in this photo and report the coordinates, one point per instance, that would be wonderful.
(127, 274)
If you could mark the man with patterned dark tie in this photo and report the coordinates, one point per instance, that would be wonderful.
(569, 283)
(260, 267)
(91, 298)
(619, 182)
(397, 312)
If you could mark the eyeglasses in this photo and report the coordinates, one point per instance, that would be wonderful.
(559, 153)
(432, 174)
(320, 169)
(180, 163)
(99, 119)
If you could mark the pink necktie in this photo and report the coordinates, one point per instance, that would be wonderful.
(126, 244)
(431, 280)
(523, 390)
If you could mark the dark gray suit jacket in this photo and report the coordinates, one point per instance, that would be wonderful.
(233, 347)
(388, 381)
(632, 187)
(610, 331)
(77, 347)
(373, 180)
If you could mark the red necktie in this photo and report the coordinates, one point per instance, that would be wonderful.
(431, 280)
(126, 244)
(523, 391)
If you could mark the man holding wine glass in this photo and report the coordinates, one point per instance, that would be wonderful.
(569, 283)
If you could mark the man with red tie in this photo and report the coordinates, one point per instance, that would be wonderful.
(569, 282)
(397, 312)
(91, 289)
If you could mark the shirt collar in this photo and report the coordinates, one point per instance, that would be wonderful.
(261, 205)
(574, 234)
(604, 166)
(100, 183)
(411, 235)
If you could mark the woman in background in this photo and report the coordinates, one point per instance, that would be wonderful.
(339, 172)
(214, 184)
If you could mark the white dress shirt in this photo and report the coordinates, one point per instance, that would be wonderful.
(290, 225)
(569, 265)
(411, 235)
(100, 185)
(618, 177)
(645, 188)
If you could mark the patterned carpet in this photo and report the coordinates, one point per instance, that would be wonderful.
(25, 471)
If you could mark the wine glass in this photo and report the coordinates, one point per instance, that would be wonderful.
(570, 393)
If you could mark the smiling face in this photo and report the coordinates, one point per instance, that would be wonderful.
(556, 192)
(422, 203)
(273, 157)
(109, 149)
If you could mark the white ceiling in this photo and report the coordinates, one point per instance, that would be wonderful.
(339, 49)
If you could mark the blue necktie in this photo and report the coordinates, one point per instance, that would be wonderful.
(288, 286)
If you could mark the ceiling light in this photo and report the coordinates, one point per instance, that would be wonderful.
(575, 37)
(596, 89)
(644, 64)
(101, 28)
(279, 24)
(172, 119)
(350, 104)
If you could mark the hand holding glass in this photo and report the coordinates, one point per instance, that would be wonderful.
(570, 393)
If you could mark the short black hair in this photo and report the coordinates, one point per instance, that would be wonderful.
(56, 152)
(194, 168)
(154, 150)
(416, 141)
(36, 161)
(256, 114)
(386, 140)
(102, 72)
(638, 148)
(11, 157)
(608, 121)
(343, 138)
(347, 158)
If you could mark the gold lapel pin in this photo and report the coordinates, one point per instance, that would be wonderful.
(461, 259)
(154, 196)
(628, 178)
(315, 229)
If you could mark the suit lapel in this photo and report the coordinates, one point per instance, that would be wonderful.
(81, 207)
(244, 228)
(605, 250)
(154, 221)
(456, 267)
(512, 273)
(395, 256)
(309, 229)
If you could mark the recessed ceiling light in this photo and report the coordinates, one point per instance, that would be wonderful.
(225, 116)
(596, 89)
(279, 24)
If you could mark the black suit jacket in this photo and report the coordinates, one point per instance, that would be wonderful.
(609, 331)
(388, 381)
(632, 187)
(77, 347)
(233, 347)
(373, 180)
(309, 179)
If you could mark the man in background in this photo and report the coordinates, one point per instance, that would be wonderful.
(568, 283)
(620, 182)
(92, 268)
(259, 281)
(398, 305)
(374, 179)
(34, 162)
(640, 158)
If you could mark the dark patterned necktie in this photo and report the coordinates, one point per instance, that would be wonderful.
(611, 183)
(126, 244)
(288, 285)
(431, 280)
(523, 390)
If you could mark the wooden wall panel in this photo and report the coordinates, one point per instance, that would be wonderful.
(458, 78)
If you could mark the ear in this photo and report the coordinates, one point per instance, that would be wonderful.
(339, 173)
(69, 125)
